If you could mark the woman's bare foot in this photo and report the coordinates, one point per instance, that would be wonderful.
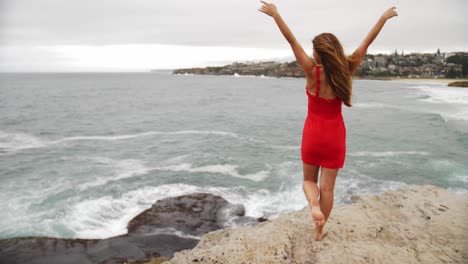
(317, 214)
(319, 220)
(319, 236)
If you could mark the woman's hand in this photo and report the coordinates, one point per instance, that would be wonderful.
(269, 9)
(391, 12)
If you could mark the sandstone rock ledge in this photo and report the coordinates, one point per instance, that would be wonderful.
(414, 224)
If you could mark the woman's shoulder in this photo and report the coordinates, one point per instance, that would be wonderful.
(309, 69)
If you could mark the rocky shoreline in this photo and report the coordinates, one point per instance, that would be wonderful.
(414, 224)
(170, 225)
(289, 69)
(268, 68)
(459, 84)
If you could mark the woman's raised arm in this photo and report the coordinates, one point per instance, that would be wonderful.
(302, 58)
(362, 49)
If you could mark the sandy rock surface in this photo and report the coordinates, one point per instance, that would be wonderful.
(414, 224)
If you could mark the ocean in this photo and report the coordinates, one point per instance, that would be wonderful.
(81, 154)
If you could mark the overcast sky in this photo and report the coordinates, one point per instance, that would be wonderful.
(138, 35)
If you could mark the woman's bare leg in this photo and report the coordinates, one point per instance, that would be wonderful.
(327, 186)
(312, 192)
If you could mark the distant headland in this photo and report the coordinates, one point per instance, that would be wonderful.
(459, 84)
(379, 66)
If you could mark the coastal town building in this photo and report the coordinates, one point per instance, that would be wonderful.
(414, 65)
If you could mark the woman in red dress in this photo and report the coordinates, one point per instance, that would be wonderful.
(328, 86)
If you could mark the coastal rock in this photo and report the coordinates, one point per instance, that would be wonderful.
(170, 225)
(378, 66)
(269, 68)
(414, 224)
(458, 84)
(193, 215)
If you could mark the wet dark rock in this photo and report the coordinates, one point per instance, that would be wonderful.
(194, 214)
(170, 225)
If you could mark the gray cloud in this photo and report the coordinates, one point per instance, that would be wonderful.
(420, 26)
(228, 23)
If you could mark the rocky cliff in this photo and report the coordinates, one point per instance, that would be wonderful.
(414, 224)
(411, 225)
(272, 69)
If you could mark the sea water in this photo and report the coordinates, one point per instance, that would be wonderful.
(81, 154)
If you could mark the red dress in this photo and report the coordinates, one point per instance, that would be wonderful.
(324, 133)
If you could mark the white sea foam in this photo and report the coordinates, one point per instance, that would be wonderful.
(460, 191)
(111, 138)
(370, 105)
(248, 76)
(14, 141)
(128, 168)
(121, 169)
(385, 153)
(453, 101)
(286, 147)
(357, 183)
(102, 217)
(108, 216)
(171, 231)
(271, 204)
(19, 141)
(150, 133)
(445, 95)
(224, 169)
(285, 168)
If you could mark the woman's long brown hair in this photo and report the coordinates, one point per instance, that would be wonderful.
(339, 68)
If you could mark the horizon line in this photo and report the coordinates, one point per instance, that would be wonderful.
(289, 58)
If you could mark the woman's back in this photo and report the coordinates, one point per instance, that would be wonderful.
(325, 91)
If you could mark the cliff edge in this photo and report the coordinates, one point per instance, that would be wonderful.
(414, 224)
